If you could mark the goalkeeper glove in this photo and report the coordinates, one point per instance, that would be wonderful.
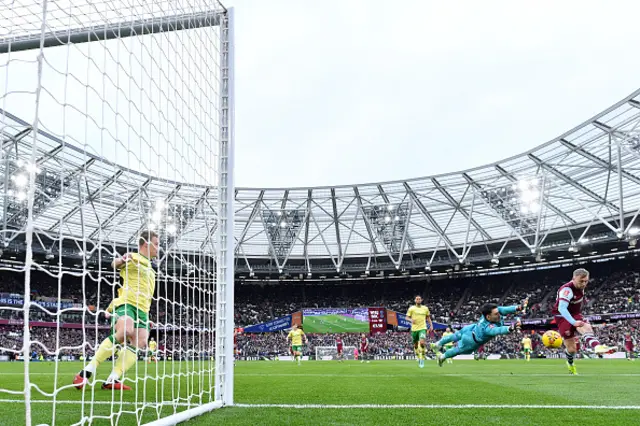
(523, 306)
(515, 326)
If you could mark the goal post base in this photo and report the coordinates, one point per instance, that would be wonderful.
(183, 416)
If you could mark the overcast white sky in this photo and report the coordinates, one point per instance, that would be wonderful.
(354, 91)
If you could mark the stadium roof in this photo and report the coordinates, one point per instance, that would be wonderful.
(562, 190)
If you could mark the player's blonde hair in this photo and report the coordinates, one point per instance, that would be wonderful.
(580, 272)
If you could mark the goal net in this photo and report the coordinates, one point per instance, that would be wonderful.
(116, 123)
(328, 353)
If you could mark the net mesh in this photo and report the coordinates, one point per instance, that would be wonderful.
(113, 120)
(328, 353)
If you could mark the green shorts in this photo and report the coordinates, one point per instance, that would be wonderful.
(418, 335)
(296, 348)
(526, 350)
(139, 317)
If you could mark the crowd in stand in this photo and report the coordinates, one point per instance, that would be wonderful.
(610, 290)
(614, 287)
(393, 343)
(73, 342)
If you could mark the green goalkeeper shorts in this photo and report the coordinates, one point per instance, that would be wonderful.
(418, 335)
(296, 348)
(139, 317)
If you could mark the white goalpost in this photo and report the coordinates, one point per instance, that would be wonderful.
(329, 353)
(116, 118)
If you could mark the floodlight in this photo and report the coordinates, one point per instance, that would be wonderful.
(21, 180)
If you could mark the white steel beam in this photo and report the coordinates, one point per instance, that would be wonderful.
(425, 213)
(458, 207)
(566, 179)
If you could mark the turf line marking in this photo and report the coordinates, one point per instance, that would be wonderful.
(440, 406)
(431, 376)
(388, 375)
(350, 406)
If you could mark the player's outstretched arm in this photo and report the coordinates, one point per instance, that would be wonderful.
(498, 331)
(506, 310)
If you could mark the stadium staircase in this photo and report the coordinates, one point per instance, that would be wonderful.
(506, 293)
(465, 296)
(545, 299)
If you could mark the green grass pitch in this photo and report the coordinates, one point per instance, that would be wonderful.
(338, 391)
(334, 324)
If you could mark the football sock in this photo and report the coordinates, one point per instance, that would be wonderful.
(125, 361)
(590, 340)
(569, 357)
(105, 350)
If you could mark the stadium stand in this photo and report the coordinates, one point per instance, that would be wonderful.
(615, 287)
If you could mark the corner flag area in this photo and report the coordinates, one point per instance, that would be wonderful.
(503, 392)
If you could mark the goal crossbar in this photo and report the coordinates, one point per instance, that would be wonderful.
(112, 31)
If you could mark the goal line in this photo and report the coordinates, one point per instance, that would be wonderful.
(440, 406)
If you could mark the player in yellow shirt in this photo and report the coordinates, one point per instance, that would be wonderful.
(526, 348)
(297, 335)
(419, 316)
(153, 346)
(130, 319)
(449, 345)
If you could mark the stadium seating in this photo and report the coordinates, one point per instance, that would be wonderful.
(614, 288)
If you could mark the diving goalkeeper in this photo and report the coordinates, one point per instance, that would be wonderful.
(130, 319)
(475, 335)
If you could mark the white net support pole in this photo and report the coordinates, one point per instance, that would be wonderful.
(225, 243)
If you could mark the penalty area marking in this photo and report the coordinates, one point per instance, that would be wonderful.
(439, 406)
